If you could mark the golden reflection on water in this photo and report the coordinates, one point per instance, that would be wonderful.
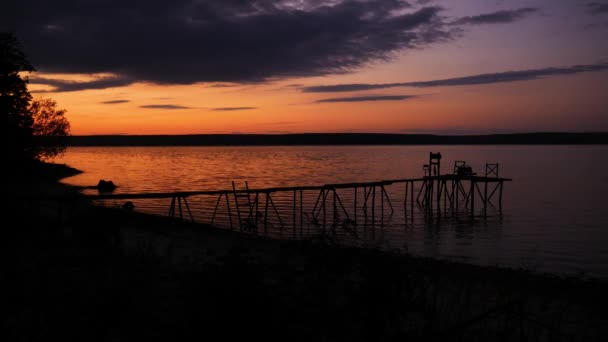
(553, 217)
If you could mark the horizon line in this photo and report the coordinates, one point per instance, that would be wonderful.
(336, 133)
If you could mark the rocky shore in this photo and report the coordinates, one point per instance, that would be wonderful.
(80, 272)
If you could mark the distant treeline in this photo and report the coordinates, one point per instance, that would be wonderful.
(337, 139)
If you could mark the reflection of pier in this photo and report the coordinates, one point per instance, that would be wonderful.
(344, 205)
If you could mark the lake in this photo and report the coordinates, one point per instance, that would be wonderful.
(554, 215)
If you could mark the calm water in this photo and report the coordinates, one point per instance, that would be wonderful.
(554, 219)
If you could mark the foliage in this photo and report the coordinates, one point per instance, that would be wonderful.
(14, 98)
(31, 129)
(50, 127)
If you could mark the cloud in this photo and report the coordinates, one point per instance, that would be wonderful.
(367, 98)
(499, 17)
(67, 86)
(186, 41)
(512, 76)
(508, 76)
(596, 8)
(222, 85)
(336, 88)
(229, 109)
(164, 106)
(281, 123)
(114, 101)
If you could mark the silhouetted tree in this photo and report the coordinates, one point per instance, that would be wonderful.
(15, 116)
(50, 127)
(33, 130)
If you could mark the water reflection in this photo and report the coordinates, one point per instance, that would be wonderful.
(553, 211)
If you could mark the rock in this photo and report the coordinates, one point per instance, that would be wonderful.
(105, 186)
(128, 206)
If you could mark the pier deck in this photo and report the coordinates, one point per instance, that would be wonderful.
(336, 205)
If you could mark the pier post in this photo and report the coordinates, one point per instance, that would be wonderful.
(439, 184)
(257, 209)
(217, 204)
(188, 207)
(485, 199)
(335, 208)
(266, 215)
(427, 194)
(339, 202)
(500, 197)
(388, 199)
(365, 196)
(381, 206)
(445, 195)
(355, 206)
(422, 187)
(179, 202)
(373, 204)
(229, 213)
(407, 185)
(324, 210)
(456, 195)
(412, 201)
(472, 196)
(172, 207)
(274, 207)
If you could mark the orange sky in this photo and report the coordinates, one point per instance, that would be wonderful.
(556, 51)
(561, 103)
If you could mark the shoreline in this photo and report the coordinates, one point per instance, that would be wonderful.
(341, 139)
(156, 224)
(180, 264)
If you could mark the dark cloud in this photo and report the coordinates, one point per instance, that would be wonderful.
(498, 17)
(597, 7)
(367, 98)
(511, 76)
(187, 41)
(337, 88)
(229, 109)
(115, 101)
(222, 85)
(603, 25)
(508, 76)
(293, 85)
(164, 106)
(66, 86)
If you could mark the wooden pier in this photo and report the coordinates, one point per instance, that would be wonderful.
(341, 205)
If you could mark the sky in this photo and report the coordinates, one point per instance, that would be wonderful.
(293, 66)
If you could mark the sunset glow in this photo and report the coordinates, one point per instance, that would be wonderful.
(554, 51)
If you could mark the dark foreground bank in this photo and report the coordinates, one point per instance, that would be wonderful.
(105, 274)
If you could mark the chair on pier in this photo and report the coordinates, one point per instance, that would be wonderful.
(426, 169)
(245, 218)
(462, 169)
(435, 164)
(458, 164)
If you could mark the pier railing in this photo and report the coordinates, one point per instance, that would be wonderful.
(339, 208)
(336, 208)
